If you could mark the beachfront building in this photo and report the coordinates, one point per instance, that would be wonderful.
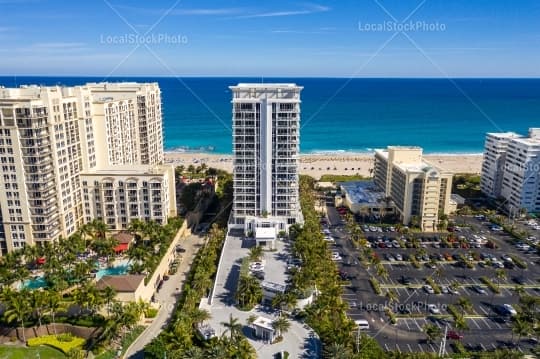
(266, 143)
(119, 194)
(419, 190)
(364, 198)
(495, 149)
(51, 135)
(511, 168)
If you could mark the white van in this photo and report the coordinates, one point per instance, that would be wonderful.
(362, 324)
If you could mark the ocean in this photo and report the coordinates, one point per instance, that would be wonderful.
(347, 115)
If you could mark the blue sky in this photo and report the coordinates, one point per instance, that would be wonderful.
(458, 38)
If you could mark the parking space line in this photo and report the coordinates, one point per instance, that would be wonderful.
(486, 323)
(432, 348)
(421, 349)
(475, 323)
(410, 349)
(496, 324)
(407, 324)
(483, 310)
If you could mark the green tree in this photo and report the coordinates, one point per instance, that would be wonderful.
(255, 253)
(18, 308)
(433, 332)
(233, 327)
(281, 325)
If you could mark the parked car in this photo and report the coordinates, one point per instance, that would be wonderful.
(509, 310)
(428, 289)
(479, 289)
(451, 334)
(453, 291)
(433, 309)
(445, 290)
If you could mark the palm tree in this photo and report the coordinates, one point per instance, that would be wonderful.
(255, 253)
(53, 305)
(18, 308)
(382, 271)
(433, 332)
(337, 351)
(281, 325)
(465, 304)
(392, 296)
(249, 291)
(521, 328)
(500, 274)
(38, 302)
(460, 323)
(108, 294)
(199, 316)
(232, 326)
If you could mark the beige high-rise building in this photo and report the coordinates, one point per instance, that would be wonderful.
(50, 136)
(417, 188)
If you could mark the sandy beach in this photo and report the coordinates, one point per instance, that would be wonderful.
(317, 165)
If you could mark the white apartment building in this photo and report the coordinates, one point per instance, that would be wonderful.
(49, 136)
(120, 194)
(517, 170)
(416, 187)
(496, 146)
(266, 145)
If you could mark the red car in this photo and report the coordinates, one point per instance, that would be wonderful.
(453, 335)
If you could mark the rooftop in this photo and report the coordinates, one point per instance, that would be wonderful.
(362, 192)
(121, 283)
(138, 170)
(124, 237)
(264, 232)
(275, 287)
(263, 322)
(265, 85)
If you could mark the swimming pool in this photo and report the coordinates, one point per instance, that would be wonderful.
(116, 270)
(36, 283)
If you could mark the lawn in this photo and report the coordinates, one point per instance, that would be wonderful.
(43, 352)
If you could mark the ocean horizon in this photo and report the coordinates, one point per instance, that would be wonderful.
(346, 116)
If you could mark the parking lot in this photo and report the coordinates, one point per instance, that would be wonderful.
(459, 266)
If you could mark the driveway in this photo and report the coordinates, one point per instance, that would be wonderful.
(167, 297)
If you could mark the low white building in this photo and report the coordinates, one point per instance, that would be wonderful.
(266, 237)
(263, 329)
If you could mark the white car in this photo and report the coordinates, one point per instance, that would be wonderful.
(445, 290)
(509, 309)
(453, 291)
(433, 309)
(398, 257)
(428, 289)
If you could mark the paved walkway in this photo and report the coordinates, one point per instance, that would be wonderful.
(300, 341)
(167, 297)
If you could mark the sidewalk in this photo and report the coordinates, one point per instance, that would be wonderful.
(167, 297)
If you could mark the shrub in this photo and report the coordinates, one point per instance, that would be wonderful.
(490, 284)
(151, 313)
(458, 348)
(433, 285)
(390, 315)
(414, 262)
(59, 342)
(519, 262)
(454, 311)
(375, 285)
